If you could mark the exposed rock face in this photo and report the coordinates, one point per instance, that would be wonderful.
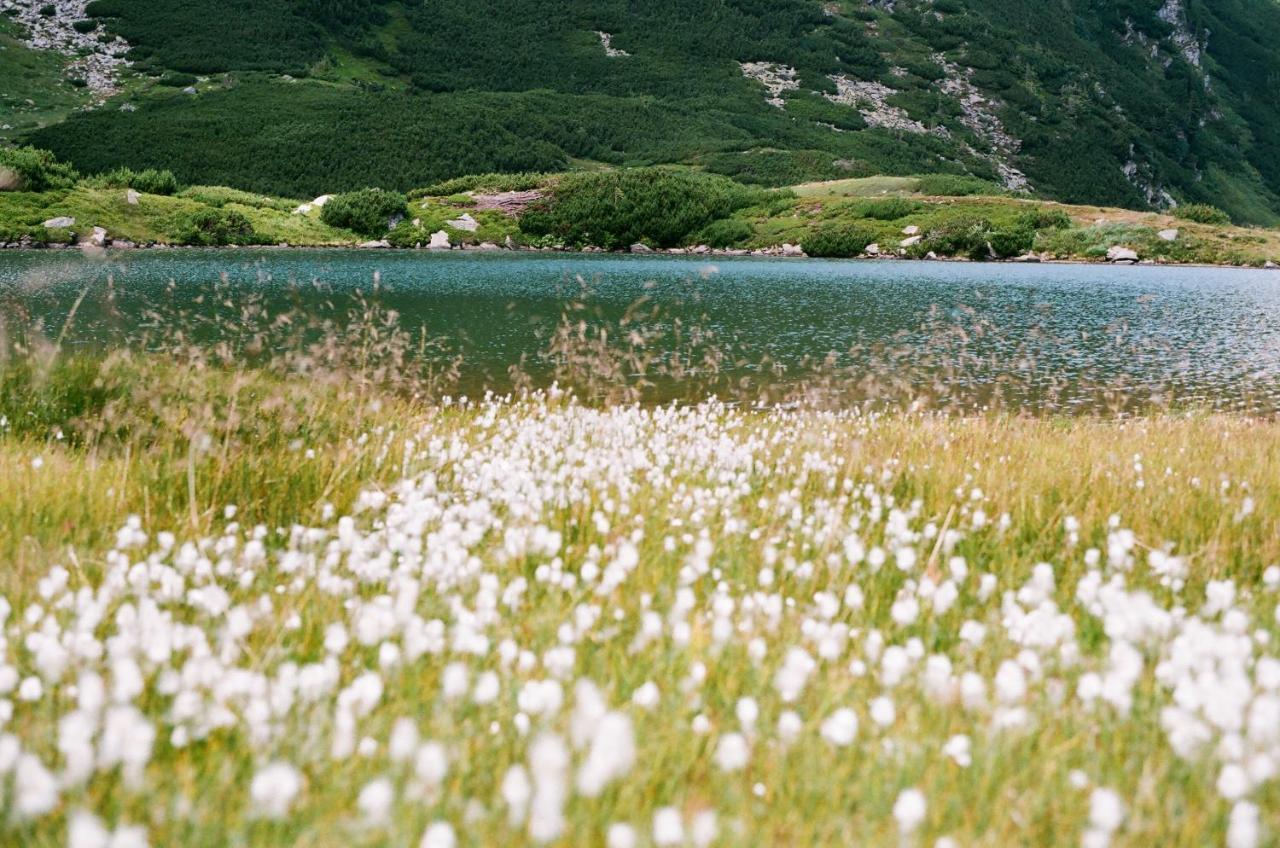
(774, 77)
(980, 115)
(1186, 42)
(869, 99)
(465, 222)
(1122, 255)
(92, 60)
(606, 41)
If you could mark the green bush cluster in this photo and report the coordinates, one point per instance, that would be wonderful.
(977, 238)
(32, 169)
(85, 25)
(839, 239)
(614, 209)
(220, 196)
(726, 232)
(148, 180)
(368, 212)
(486, 183)
(1201, 213)
(771, 167)
(955, 185)
(214, 227)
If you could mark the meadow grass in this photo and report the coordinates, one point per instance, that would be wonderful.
(385, 616)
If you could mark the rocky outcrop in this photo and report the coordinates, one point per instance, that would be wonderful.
(606, 41)
(439, 241)
(870, 99)
(980, 115)
(94, 56)
(1122, 255)
(465, 223)
(62, 222)
(774, 77)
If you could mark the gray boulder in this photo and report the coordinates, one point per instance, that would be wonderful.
(131, 197)
(439, 241)
(1120, 255)
(464, 222)
(641, 248)
(59, 223)
(1167, 235)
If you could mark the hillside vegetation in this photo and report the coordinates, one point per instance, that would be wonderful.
(934, 216)
(1135, 103)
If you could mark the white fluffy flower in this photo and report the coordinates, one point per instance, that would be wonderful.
(732, 752)
(375, 801)
(274, 789)
(438, 835)
(841, 727)
(909, 809)
(668, 827)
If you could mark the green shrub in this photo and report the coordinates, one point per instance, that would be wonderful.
(1044, 219)
(31, 169)
(727, 232)
(1201, 213)
(785, 167)
(220, 196)
(148, 181)
(955, 185)
(613, 209)
(487, 183)
(368, 211)
(48, 10)
(838, 240)
(212, 227)
(177, 79)
(1011, 241)
(85, 25)
(964, 236)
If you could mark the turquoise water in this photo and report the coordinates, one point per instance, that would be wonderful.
(1201, 334)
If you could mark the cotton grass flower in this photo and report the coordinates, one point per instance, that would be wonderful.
(909, 810)
(274, 789)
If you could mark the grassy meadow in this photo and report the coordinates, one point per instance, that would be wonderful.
(315, 596)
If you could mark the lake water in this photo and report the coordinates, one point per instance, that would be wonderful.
(1197, 334)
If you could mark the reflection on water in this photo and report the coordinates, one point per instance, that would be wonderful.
(1191, 334)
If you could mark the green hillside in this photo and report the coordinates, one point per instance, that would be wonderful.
(1133, 103)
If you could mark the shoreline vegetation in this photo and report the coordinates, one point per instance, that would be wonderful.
(44, 204)
(281, 587)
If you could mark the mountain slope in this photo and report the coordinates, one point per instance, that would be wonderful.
(1126, 102)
